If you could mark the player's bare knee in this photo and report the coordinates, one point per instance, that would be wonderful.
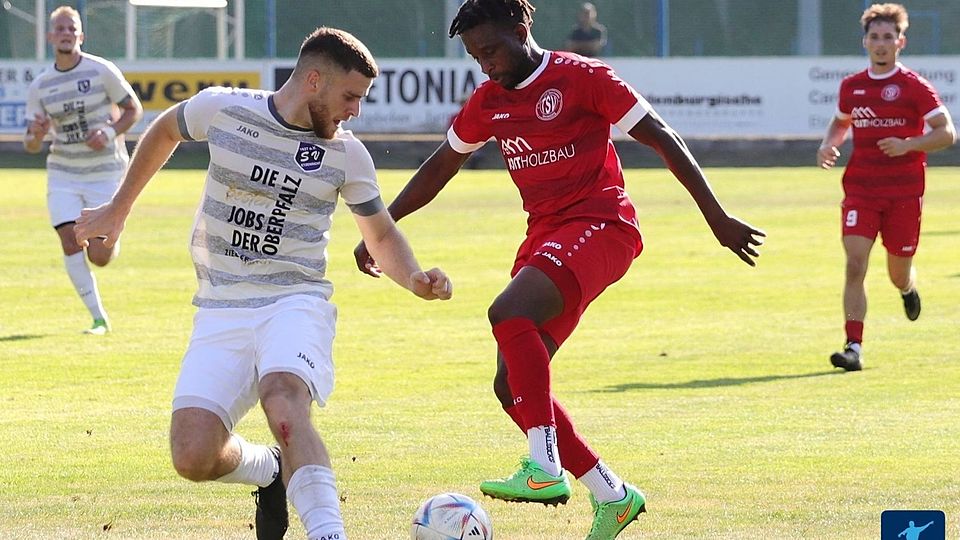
(100, 255)
(191, 470)
(278, 388)
(68, 241)
(900, 281)
(536, 306)
(499, 311)
(193, 462)
(856, 268)
(99, 258)
(70, 246)
(198, 438)
(284, 398)
(278, 408)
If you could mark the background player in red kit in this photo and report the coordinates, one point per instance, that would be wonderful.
(887, 105)
(551, 113)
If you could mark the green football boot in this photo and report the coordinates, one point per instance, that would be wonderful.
(612, 517)
(529, 484)
(99, 328)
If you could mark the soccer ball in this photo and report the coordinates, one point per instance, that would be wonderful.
(450, 516)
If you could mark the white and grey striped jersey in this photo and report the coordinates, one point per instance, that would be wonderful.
(263, 223)
(78, 101)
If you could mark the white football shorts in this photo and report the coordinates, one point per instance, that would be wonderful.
(66, 198)
(231, 349)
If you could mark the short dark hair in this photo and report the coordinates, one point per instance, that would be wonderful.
(339, 47)
(473, 13)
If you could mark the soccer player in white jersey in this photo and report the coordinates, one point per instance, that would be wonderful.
(76, 99)
(278, 163)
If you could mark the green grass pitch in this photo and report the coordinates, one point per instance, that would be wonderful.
(701, 380)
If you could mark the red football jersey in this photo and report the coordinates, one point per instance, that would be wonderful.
(553, 130)
(896, 104)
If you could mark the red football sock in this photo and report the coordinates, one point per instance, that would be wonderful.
(514, 415)
(528, 370)
(854, 331)
(575, 453)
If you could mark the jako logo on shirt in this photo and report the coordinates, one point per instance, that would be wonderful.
(310, 156)
(549, 105)
(890, 92)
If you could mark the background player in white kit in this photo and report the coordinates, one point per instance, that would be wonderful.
(87, 156)
(264, 330)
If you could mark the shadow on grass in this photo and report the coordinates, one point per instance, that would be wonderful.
(715, 383)
(941, 233)
(20, 337)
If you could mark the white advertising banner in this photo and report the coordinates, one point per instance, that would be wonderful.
(699, 97)
(15, 77)
(762, 97)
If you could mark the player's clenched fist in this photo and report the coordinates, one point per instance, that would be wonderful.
(432, 285)
(39, 126)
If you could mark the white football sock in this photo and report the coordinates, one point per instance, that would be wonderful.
(258, 465)
(543, 448)
(313, 492)
(84, 283)
(605, 485)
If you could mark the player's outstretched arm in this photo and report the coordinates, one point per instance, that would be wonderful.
(395, 258)
(739, 237)
(153, 150)
(425, 184)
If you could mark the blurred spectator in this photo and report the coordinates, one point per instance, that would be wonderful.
(588, 37)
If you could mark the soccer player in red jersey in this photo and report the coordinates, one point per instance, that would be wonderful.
(550, 113)
(888, 107)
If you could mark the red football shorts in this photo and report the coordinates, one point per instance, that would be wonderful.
(582, 259)
(896, 219)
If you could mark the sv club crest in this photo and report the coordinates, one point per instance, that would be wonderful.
(890, 92)
(549, 105)
(310, 156)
